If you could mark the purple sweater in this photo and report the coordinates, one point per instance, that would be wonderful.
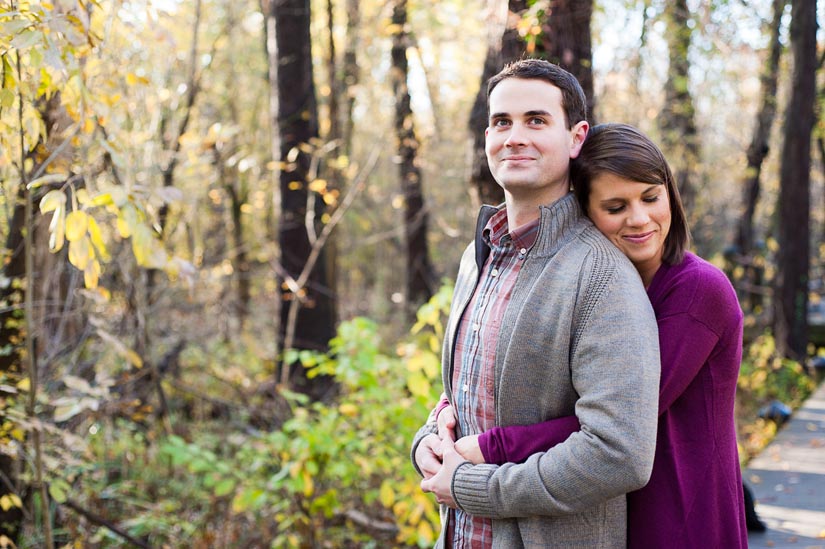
(694, 497)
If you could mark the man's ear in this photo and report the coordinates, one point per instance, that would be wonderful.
(578, 134)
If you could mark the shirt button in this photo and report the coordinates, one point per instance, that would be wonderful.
(465, 388)
(476, 326)
(494, 273)
(523, 251)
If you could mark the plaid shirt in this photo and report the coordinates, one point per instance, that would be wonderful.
(475, 353)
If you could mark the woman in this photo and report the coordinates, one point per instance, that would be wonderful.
(694, 498)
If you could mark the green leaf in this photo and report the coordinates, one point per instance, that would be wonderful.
(224, 487)
(58, 489)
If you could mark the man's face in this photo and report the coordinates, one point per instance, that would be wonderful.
(528, 145)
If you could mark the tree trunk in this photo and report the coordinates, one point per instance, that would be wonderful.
(677, 120)
(567, 42)
(420, 278)
(504, 46)
(758, 149)
(751, 279)
(793, 260)
(351, 74)
(12, 335)
(295, 128)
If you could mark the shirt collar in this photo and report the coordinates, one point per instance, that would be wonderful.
(497, 232)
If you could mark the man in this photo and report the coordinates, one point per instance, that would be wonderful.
(548, 319)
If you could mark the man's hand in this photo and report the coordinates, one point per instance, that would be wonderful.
(428, 455)
(469, 449)
(441, 483)
(446, 424)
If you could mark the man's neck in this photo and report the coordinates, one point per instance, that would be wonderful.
(520, 212)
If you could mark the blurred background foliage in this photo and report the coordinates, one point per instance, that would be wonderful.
(151, 391)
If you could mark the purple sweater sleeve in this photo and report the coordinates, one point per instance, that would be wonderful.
(516, 443)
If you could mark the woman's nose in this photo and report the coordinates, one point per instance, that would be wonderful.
(638, 216)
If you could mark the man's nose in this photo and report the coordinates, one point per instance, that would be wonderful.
(516, 136)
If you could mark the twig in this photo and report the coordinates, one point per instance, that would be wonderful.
(315, 253)
(100, 521)
(365, 521)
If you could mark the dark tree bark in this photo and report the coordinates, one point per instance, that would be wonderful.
(749, 283)
(420, 280)
(567, 42)
(677, 121)
(758, 149)
(12, 334)
(351, 74)
(793, 259)
(501, 50)
(295, 127)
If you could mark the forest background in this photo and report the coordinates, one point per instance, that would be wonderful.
(229, 229)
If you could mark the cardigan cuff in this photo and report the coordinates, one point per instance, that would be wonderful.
(469, 489)
(427, 429)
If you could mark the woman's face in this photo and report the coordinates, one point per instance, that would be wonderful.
(634, 216)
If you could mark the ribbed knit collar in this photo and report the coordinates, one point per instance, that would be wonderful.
(560, 221)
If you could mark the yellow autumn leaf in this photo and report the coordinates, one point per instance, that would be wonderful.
(52, 200)
(418, 384)
(97, 240)
(24, 384)
(45, 180)
(425, 532)
(121, 348)
(57, 230)
(91, 274)
(147, 249)
(76, 224)
(318, 185)
(103, 199)
(348, 409)
(134, 358)
(5, 503)
(123, 228)
(81, 253)
(309, 484)
(127, 219)
(386, 494)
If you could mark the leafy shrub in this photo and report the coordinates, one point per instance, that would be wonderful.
(338, 472)
(763, 377)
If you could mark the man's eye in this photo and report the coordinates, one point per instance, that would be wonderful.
(537, 120)
(501, 122)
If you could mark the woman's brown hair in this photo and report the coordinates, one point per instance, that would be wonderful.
(624, 151)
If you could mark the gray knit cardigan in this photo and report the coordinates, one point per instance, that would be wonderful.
(578, 336)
